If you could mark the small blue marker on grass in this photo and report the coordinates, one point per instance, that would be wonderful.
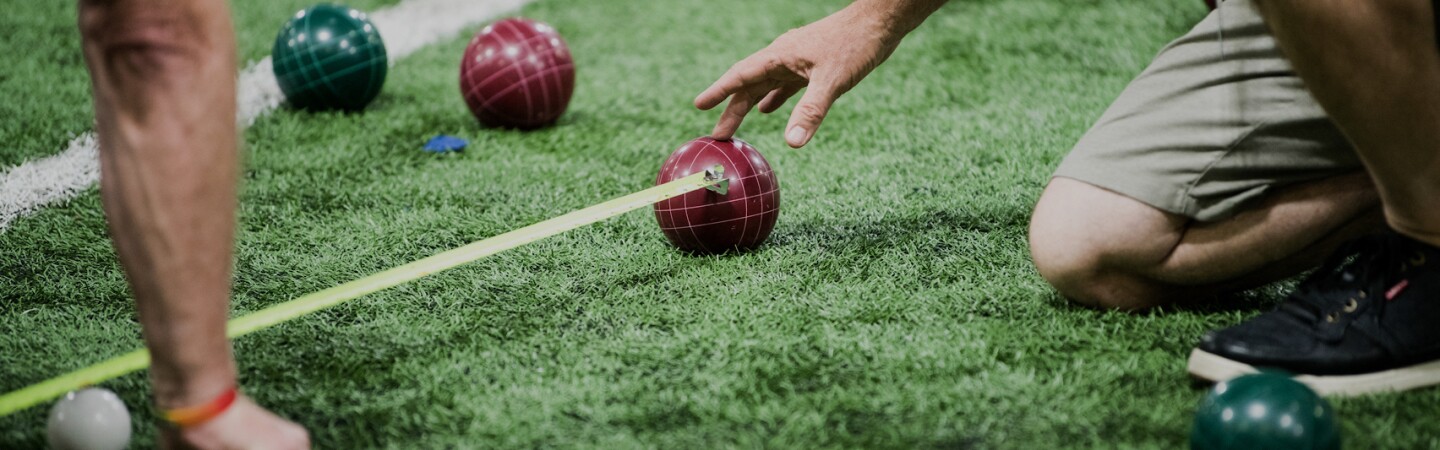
(445, 144)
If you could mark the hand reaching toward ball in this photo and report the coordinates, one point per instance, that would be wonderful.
(826, 58)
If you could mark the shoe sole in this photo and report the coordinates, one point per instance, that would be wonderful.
(1215, 368)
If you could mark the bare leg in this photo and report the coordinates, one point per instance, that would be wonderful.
(1375, 68)
(163, 78)
(1104, 249)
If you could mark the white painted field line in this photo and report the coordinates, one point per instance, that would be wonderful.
(37, 183)
(406, 27)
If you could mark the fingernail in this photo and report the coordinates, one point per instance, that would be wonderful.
(796, 136)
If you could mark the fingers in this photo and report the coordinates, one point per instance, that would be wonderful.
(735, 112)
(293, 436)
(743, 74)
(808, 113)
(777, 98)
(244, 425)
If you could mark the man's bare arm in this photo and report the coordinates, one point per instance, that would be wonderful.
(163, 78)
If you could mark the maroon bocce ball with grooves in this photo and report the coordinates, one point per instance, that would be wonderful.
(517, 73)
(705, 221)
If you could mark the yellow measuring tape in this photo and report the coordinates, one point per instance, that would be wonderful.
(240, 326)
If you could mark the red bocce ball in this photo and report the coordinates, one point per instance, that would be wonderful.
(517, 73)
(705, 221)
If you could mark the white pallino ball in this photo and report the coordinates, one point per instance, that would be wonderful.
(89, 419)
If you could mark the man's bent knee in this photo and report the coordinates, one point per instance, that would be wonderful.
(1079, 274)
(1084, 241)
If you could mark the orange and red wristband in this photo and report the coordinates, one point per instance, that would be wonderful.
(196, 415)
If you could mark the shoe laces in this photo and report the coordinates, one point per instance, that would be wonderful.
(1361, 270)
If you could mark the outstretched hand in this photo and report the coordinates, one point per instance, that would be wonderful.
(829, 57)
(244, 426)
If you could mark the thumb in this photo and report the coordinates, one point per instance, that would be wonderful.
(808, 113)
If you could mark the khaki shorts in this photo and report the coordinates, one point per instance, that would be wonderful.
(1200, 132)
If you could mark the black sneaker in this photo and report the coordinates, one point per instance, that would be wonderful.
(1367, 321)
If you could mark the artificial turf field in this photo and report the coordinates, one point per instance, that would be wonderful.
(893, 307)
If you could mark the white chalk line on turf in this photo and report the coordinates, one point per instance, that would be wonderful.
(405, 28)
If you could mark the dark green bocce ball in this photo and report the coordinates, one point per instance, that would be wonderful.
(329, 57)
(1264, 411)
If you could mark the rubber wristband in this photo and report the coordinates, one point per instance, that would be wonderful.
(196, 415)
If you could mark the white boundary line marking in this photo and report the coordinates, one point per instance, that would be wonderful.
(407, 27)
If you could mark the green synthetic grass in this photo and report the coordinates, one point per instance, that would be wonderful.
(44, 90)
(44, 93)
(894, 306)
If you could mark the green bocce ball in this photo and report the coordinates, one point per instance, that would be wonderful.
(329, 57)
(1266, 410)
